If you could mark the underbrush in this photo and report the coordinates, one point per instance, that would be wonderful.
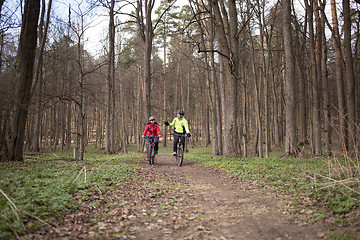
(315, 183)
(34, 192)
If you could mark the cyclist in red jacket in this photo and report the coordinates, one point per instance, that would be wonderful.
(152, 129)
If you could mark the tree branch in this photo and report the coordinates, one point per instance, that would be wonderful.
(215, 50)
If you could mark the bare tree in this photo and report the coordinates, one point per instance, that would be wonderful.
(291, 147)
(350, 78)
(23, 80)
(110, 113)
(343, 136)
(226, 25)
(146, 32)
(37, 86)
(315, 75)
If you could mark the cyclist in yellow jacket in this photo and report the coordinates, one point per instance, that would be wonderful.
(181, 126)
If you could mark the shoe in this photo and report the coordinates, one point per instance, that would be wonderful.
(174, 153)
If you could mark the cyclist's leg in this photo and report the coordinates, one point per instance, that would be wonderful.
(156, 147)
(183, 142)
(176, 139)
(147, 147)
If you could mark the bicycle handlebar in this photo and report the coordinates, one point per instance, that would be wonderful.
(181, 134)
(151, 137)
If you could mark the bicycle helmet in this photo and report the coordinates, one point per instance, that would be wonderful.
(181, 112)
(151, 118)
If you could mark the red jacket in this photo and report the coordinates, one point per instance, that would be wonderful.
(152, 130)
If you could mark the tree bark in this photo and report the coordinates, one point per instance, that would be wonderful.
(164, 93)
(291, 147)
(38, 78)
(146, 33)
(315, 75)
(23, 79)
(320, 25)
(229, 47)
(350, 78)
(325, 85)
(110, 130)
(343, 136)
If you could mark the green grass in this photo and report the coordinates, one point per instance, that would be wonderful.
(44, 185)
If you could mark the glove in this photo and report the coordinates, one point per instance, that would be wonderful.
(166, 123)
(188, 135)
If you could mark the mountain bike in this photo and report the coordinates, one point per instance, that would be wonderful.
(180, 149)
(150, 150)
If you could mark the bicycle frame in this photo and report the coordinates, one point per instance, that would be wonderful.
(151, 150)
(180, 149)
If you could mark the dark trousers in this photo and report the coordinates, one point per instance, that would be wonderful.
(176, 140)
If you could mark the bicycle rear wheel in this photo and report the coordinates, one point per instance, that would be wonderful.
(179, 155)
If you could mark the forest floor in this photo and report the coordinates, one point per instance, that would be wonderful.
(165, 201)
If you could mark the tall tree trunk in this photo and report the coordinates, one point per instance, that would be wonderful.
(291, 147)
(146, 32)
(23, 79)
(259, 138)
(264, 75)
(110, 125)
(300, 48)
(210, 66)
(323, 79)
(139, 113)
(339, 80)
(315, 75)
(357, 77)
(229, 47)
(222, 77)
(325, 86)
(350, 78)
(38, 71)
(164, 93)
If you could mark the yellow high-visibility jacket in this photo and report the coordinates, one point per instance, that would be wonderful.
(181, 125)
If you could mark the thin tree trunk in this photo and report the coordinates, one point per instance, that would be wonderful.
(164, 93)
(139, 115)
(209, 32)
(339, 80)
(222, 95)
(110, 124)
(258, 143)
(325, 85)
(350, 78)
(147, 35)
(315, 75)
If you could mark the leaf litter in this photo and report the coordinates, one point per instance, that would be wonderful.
(189, 202)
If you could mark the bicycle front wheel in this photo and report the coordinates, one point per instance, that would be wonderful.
(149, 154)
(152, 159)
(180, 155)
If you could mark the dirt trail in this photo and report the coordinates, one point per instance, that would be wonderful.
(188, 202)
(219, 207)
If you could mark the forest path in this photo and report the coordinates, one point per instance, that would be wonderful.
(209, 204)
(165, 201)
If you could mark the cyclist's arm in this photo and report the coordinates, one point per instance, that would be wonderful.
(172, 124)
(186, 125)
